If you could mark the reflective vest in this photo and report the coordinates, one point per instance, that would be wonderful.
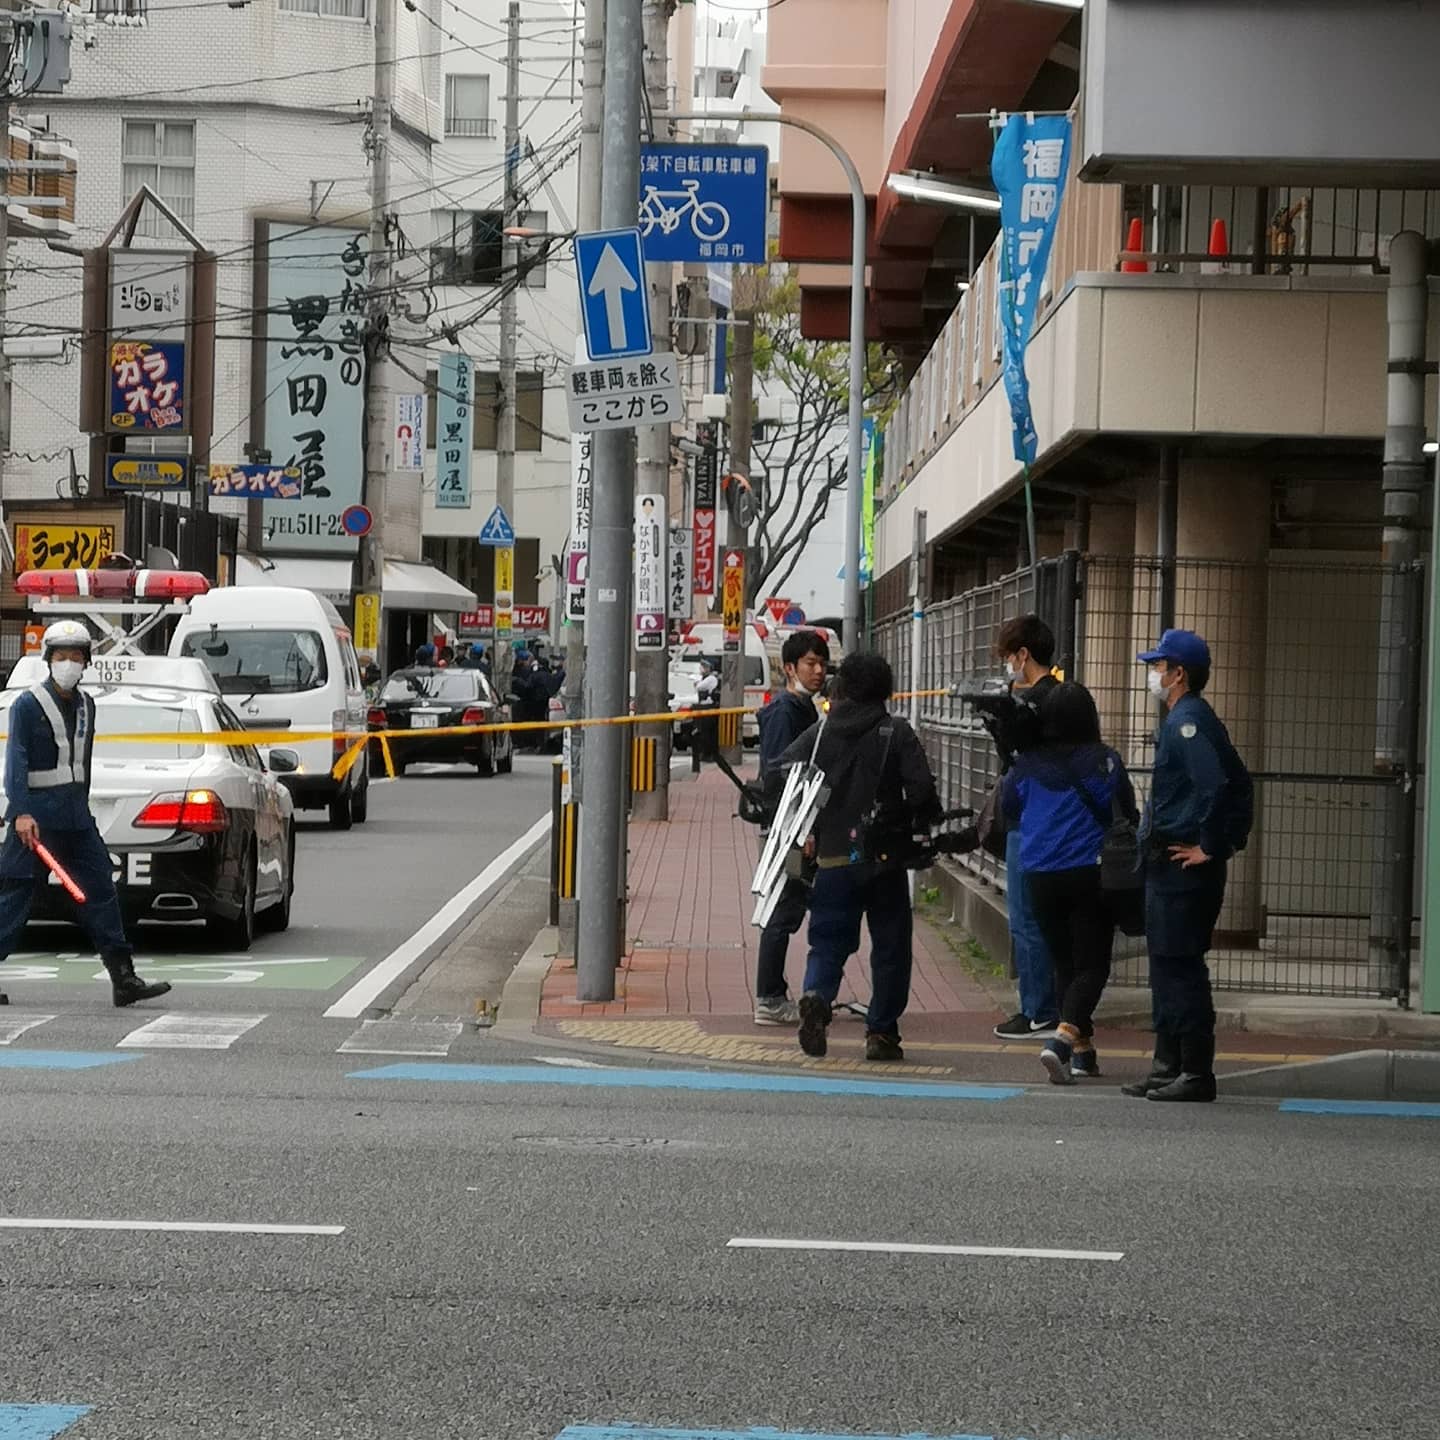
(71, 767)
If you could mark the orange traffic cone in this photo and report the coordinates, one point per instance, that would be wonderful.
(1135, 241)
(1219, 246)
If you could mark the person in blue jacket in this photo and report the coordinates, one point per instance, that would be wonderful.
(1200, 812)
(1064, 794)
(47, 798)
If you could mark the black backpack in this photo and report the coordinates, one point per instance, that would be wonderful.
(1121, 876)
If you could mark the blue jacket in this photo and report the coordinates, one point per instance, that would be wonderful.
(1058, 830)
(1201, 793)
(31, 749)
(787, 717)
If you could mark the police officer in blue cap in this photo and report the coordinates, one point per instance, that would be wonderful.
(47, 794)
(1200, 812)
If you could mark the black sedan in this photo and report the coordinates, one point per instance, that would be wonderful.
(423, 703)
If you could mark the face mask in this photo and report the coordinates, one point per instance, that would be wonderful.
(1017, 671)
(1156, 681)
(66, 673)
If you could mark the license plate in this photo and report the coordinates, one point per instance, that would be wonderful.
(424, 722)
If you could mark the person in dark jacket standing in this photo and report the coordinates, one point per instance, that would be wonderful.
(881, 793)
(1200, 812)
(1060, 799)
(806, 659)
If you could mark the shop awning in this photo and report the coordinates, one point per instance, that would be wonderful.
(406, 586)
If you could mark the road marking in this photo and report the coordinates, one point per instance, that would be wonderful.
(396, 1035)
(190, 1032)
(363, 994)
(61, 1059)
(178, 1227)
(1397, 1109)
(685, 1080)
(12, 1027)
(885, 1247)
(38, 1422)
(645, 1432)
(299, 972)
(567, 1062)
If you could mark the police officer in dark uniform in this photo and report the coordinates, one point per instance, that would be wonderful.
(47, 794)
(1199, 815)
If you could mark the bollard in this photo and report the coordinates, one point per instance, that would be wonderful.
(557, 839)
(643, 752)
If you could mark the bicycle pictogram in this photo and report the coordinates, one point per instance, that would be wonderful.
(709, 220)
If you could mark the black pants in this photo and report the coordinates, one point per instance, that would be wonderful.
(1075, 919)
(1181, 907)
(841, 897)
(788, 917)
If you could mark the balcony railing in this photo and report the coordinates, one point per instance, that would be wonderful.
(469, 129)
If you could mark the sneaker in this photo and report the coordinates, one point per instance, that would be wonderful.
(1022, 1027)
(1085, 1065)
(883, 1048)
(814, 1021)
(1055, 1057)
(779, 1011)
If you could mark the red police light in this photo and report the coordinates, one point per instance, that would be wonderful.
(111, 584)
(169, 584)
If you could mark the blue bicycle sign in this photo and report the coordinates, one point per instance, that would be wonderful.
(704, 202)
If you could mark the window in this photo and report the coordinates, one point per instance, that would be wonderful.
(532, 267)
(260, 662)
(160, 154)
(467, 106)
(469, 248)
(434, 685)
(128, 718)
(529, 409)
(327, 9)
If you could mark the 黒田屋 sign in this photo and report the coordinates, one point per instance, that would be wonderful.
(454, 432)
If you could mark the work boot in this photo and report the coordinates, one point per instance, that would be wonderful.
(814, 1021)
(1198, 1088)
(126, 987)
(883, 1048)
(1164, 1068)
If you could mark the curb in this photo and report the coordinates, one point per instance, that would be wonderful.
(520, 997)
(1355, 1075)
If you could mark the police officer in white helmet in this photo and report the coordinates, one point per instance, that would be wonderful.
(47, 792)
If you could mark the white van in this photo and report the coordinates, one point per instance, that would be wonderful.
(284, 660)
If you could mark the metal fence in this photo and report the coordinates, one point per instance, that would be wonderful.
(1301, 683)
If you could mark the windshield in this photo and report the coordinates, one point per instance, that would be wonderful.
(263, 662)
(130, 719)
(752, 668)
(432, 685)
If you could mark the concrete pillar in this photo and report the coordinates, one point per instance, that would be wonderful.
(1108, 640)
(1140, 712)
(1224, 516)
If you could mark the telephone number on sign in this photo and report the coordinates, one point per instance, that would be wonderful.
(305, 525)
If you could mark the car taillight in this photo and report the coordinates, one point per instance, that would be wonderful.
(474, 715)
(202, 811)
(766, 700)
(341, 742)
(376, 716)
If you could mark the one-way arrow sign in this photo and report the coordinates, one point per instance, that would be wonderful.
(613, 298)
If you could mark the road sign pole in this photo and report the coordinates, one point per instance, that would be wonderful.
(607, 596)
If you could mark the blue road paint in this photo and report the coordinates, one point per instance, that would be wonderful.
(685, 1080)
(38, 1422)
(642, 1432)
(1396, 1109)
(59, 1060)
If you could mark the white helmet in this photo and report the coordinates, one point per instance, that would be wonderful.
(65, 635)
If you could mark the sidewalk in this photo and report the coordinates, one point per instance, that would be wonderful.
(687, 986)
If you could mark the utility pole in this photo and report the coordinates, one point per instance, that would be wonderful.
(379, 382)
(504, 655)
(608, 607)
(7, 55)
(652, 667)
(742, 423)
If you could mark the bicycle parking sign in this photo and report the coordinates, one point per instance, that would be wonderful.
(704, 202)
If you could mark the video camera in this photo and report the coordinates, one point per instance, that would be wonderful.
(1013, 723)
(920, 852)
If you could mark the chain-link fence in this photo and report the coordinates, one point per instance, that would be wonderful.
(1319, 902)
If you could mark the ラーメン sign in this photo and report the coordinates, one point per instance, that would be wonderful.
(313, 355)
(62, 547)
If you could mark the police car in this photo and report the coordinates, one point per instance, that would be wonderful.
(194, 831)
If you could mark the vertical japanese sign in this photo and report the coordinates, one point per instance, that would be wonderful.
(578, 557)
(706, 467)
(733, 600)
(147, 385)
(410, 434)
(367, 624)
(504, 589)
(650, 598)
(1029, 167)
(455, 432)
(314, 368)
(680, 581)
(149, 306)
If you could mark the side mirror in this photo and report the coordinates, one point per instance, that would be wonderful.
(284, 762)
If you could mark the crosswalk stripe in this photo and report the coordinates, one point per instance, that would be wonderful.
(190, 1032)
(397, 1035)
(12, 1027)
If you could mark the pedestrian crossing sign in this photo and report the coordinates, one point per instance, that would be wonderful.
(497, 530)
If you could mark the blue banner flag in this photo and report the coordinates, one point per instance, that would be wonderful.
(1029, 167)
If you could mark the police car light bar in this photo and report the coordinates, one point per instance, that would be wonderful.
(111, 584)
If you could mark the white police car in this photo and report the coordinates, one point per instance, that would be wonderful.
(194, 831)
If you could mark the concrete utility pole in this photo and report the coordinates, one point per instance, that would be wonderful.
(504, 657)
(652, 667)
(7, 52)
(379, 381)
(608, 616)
(742, 424)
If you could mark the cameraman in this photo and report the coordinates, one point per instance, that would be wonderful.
(881, 792)
(1026, 644)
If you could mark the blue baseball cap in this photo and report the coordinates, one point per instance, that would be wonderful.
(1179, 647)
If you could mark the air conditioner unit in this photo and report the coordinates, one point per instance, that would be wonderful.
(713, 406)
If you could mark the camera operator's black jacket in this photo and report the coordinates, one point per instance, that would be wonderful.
(864, 772)
(1020, 728)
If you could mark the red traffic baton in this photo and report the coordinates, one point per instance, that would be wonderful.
(60, 873)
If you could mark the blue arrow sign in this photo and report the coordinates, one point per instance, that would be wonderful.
(38, 1422)
(614, 301)
(497, 530)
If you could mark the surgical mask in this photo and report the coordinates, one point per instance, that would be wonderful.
(1156, 681)
(66, 673)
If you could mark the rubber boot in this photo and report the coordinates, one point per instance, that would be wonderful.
(1164, 1068)
(126, 987)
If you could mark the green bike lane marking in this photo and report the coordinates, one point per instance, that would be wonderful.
(263, 972)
